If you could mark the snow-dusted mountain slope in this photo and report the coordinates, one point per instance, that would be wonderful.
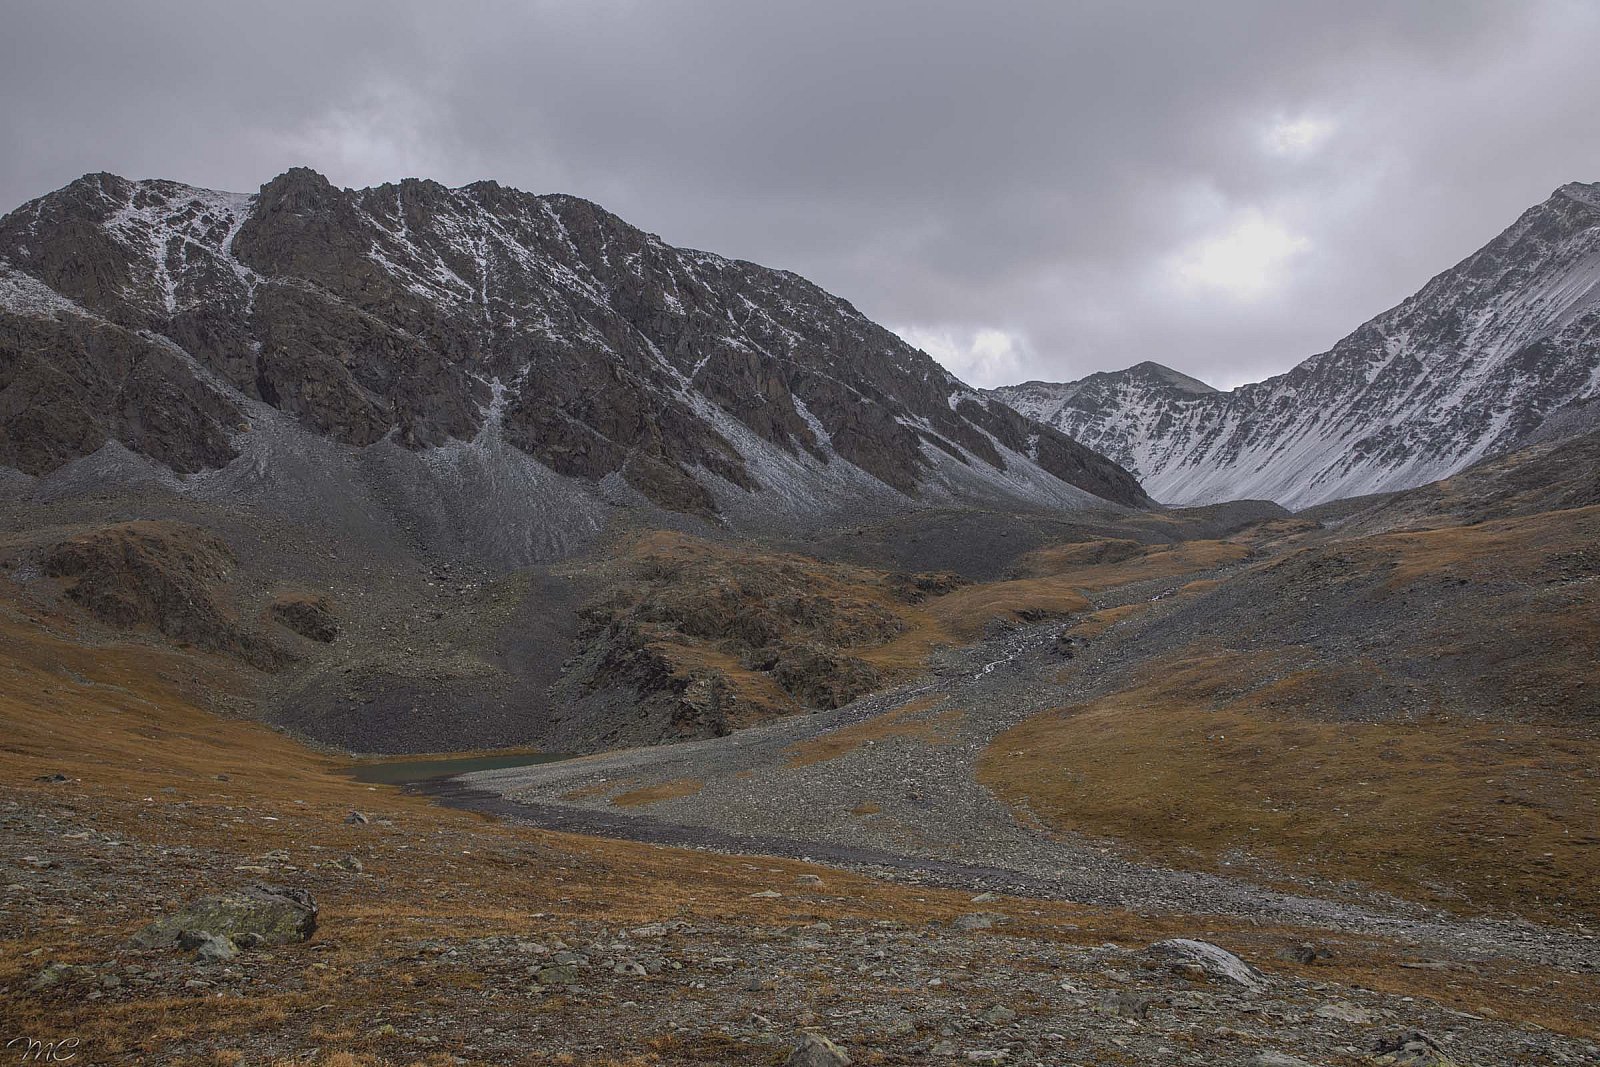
(1501, 345)
(193, 328)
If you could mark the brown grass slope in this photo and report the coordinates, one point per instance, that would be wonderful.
(1416, 709)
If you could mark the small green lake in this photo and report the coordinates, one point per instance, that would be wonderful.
(406, 772)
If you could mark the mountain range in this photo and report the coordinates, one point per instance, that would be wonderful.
(506, 370)
(1501, 349)
(534, 361)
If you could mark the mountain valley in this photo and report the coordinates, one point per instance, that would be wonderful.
(894, 719)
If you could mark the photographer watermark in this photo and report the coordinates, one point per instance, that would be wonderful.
(33, 1050)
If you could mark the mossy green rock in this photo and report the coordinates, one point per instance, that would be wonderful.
(254, 916)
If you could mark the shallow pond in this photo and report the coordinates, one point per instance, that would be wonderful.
(409, 772)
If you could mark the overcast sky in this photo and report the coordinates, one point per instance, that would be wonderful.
(1025, 190)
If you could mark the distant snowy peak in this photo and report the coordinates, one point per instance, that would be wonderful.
(1489, 353)
(153, 313)
(1114, 407)
(1044, 400)
(1179, 381)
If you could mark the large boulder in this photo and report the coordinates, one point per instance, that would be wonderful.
(1204, 958)
(250, 917)
(1412, 1048)
(814, 1050)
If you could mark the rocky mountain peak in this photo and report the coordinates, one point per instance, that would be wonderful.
(1499, 349)
(1162, 374)
(1584, 192)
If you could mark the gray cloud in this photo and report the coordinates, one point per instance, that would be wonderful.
(1026, 189)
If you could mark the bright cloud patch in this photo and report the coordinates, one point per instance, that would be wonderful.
(1246, 262)
(984, 358)
(1297, 137)
(389, 130)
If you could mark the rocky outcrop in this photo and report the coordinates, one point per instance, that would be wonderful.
(620, 689)
(821, 677)
(915, 588)
(698, 639)
(1501, 349)
(423, 314)
(308, 614)
(161, 575)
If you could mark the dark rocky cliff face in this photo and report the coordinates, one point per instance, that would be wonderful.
(149, 312)
(1501, 349)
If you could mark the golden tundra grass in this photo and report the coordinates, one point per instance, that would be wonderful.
(1474, 816)
(1099, 565)
(1209, 761)
(1095, 623)
(910, 720)
(125, 718)
(652, 794)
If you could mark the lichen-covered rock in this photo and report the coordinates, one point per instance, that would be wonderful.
(256, 915)
(559, 974)
(57, 974)
(1129, 1003)
(216, 949)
